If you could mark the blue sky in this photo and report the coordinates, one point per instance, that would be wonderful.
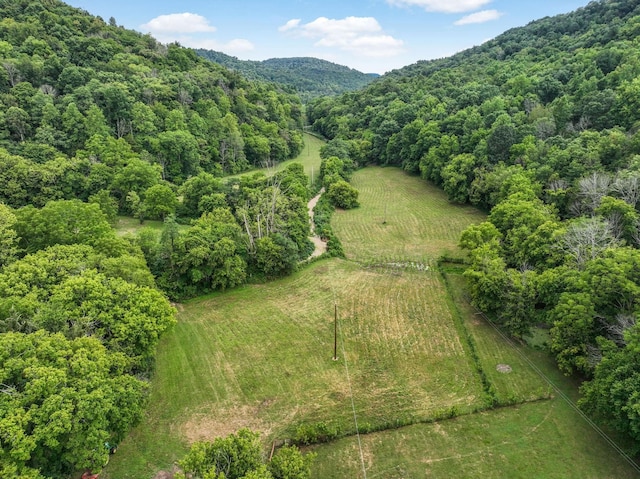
(373, 36)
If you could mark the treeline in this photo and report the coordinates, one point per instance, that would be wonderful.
(540, 127)
(251, 228)
(309, 77)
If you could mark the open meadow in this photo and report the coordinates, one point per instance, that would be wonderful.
(401, 218)
(415, 362)
(309, 157)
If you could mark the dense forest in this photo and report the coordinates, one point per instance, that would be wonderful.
(539, 127)
(309, 77)
(98, 121)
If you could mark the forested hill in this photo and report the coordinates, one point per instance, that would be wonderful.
(540, 127)
(73, 85)
(98, 121)
(310, 77)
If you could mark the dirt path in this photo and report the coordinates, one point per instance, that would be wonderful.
(321, 246)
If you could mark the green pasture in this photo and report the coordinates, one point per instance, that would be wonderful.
(261, 357)
(410, 351)
(401, 218)
(542, 440)
(309, 157)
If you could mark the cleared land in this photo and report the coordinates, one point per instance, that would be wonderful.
(402, 218)
(260, 356)
(532, 440)
(126, 225)
(309, 157)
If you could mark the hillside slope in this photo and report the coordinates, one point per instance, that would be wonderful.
(310, 77)
(71, 82)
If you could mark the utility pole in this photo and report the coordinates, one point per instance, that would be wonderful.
(335, 332)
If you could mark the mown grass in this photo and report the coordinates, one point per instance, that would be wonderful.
(127, 225)
(401, 218)
(260, 356)
(309, 157)
(532, 440)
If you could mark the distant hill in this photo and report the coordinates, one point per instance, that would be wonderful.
(310, 77)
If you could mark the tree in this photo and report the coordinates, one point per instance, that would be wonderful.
(160, 201)
(231, 457)
(275, 256)
(612, 394)
(206, 256)
(487, 278)
(107, 203)
(126, 317)
(593, 188)
(18, 122)
(178, 154)
(289, 463)
(585, 239)
(343, 195)
(137, 176)
(457, 177)
(8, 236)
(239, 456)
(61, 401)
(62, 222)
(574, 318)
(518, 219)
(621, 216)
(193, 190)
(519, 300)
(477, 235)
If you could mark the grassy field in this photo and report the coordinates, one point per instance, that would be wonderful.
(402, 218)
(411, 350)
(532, 440)
(261, 356)
(309, 157)
(126, 225)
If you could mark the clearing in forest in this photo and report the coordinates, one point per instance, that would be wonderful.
(410, 350)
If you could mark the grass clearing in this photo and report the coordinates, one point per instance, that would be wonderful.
(401, 218)
(126, 225)
(259, 356)
(533, 440)
(309, 157)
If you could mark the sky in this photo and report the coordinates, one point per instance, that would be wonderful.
(373, 36)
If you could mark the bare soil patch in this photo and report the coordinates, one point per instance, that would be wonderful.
(503, 368)
(222, 422)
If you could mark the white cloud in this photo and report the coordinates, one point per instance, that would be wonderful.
(360, 35)
(190, 30)
(290, 25)
(178, 23)
(479, 17)
(443, 6)
(349, 26)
